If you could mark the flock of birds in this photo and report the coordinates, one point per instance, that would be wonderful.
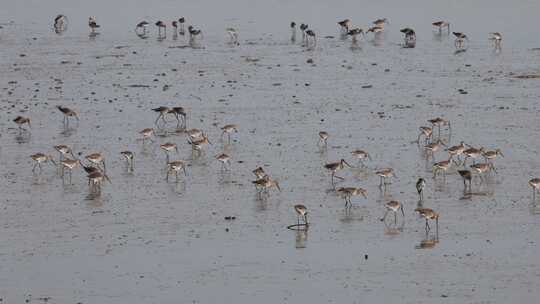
(94, 163)
(308, 35)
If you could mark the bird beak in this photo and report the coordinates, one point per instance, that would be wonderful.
(107, 177)
(277, 186)
(52, 160)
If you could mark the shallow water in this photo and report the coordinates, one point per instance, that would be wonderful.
(163, 242)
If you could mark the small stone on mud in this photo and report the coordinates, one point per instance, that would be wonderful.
(310, 60)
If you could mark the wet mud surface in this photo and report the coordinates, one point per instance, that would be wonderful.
(210, 238)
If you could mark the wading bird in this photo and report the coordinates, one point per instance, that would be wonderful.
(67, 114)
(385, 174)
(301, 212)
(176, 166)
(20, 121)
(41, 158)
(96, 159)
(92, 24)
(348, 192)
(459, 43)
(361, 155)
(161, 25)
(420, 186)
(535, 184)
(441, 24)
(429, 214)
(496, 38)
(233, 34)
(129, 157)
(293, 31)
(334, 167)
(393, 206)
(228, 129)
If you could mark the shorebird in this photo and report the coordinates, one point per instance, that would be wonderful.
(162, 111)
(96, 159)
(433, 147)
(181, 22)
(429, 214)
(161, 25)
(361, 155)
(147, 134)
(441, 166)
(92, 24)
(233, 34)
(441, 24)
(384, 174)
(381, 22)
(348, 192)
(467, 177)
(293, 31)
(143, 25)
(301, 211)
(20, 121)
(438, 121)
(130, 157)
(393, 206)
(481, 168)
(344, 26)
(303, 28)
(427, 132)
(410, 36)
(354, 34)
(70, 164)
(60, 23)
(228, 129)
(180, 115)
(420, 186)
(174, 24)
(195, 134)
(497, 38)
(334, 167)
(472, 153)
(310, 35)
(199, 144)
(323, 137)
(67, 114)
(193, 33)
(460, 39)
(259, 172)
(456, 151)
(95, 179)
(63, 150)
(168, 147)
(224, 159)
(535, 184)
(491, 155)
(266, 183)
(176, 166)
(41, 158)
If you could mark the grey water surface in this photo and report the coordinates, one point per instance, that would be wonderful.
(145, 240)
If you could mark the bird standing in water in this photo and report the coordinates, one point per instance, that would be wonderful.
(420, 185)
